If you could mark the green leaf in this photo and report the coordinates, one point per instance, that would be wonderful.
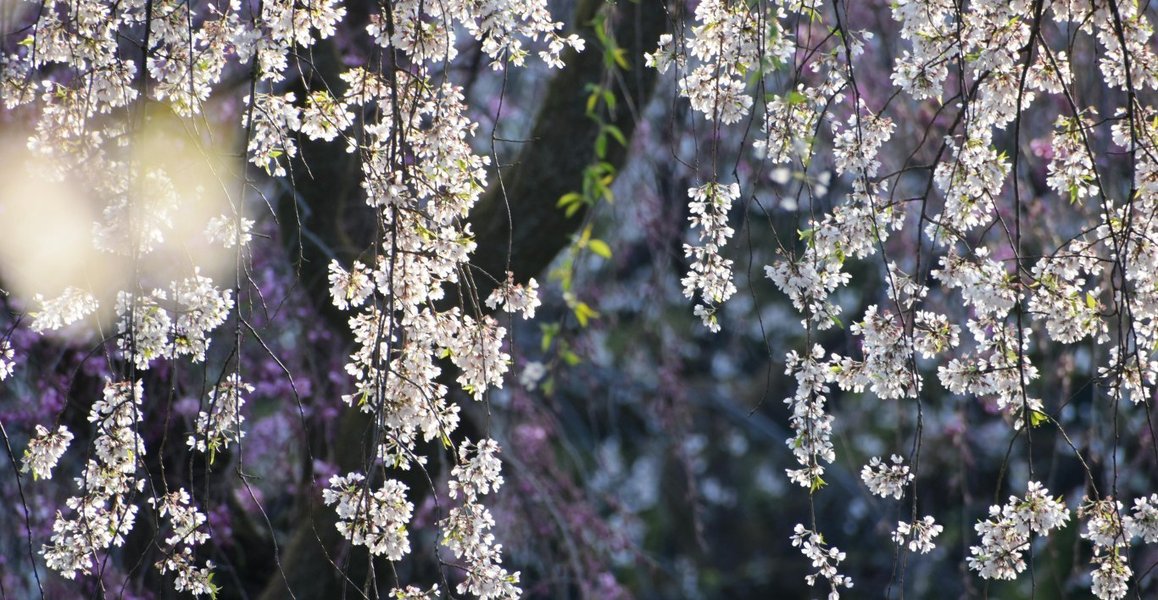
(1036, 418)
(584, 313)
(607, 194)
(600, 247)
(615, 132)
(549, 332)
(1091, 301)
(619, 55)
(569, 199)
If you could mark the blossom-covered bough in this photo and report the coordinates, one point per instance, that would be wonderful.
(1025, 251)
(94, 78)
(991, 250)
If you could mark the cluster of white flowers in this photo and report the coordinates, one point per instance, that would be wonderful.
(7, 364)
(999, 365)
(376, 520)
(411, 592)
(886, 480)
(1062, 296)
(1137, 32)
(426, 32)
(808, 282)
(516, 297)
(825, 560)
(930, 25)
(971, 182)
(1143, 520)
(711, 273)
(918, 535)
(1112, 530)
(1006, 534)
(185, 67)
(421, 197)
(789, 124)
(44, 451)
(185, 534)
(933, 333)
(72, 305)
(466, 529)
(350, 288)
(1071, 171)
(857, 144)
(219, 427)
(811, 443)
(271, 144)
(477, 352)
(885, 368)
(467, 532)
(229, 231)
(139, 226)
(171, 323)
(1104, 528)
(477, 471)
(728, 41)
(325, 117)
(104, 512)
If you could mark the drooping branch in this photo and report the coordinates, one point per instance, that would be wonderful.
(517, 226)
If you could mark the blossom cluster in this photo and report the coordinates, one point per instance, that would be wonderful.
(1111, 530)
(466, 529)
(171, 323)
(811, 425)
(377, 519)
(727, 41)
(7, 364)
(516, 297)
(884, 479)
(421, 177)
(1005, 535)
(186, 533)
(220, 426)
(44, 451)
(918, 535)
(711, 273)
(825, 560)
(105, 512)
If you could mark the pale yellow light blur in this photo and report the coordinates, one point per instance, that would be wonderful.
(204, 183)
(47, 227)
(45, 232)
